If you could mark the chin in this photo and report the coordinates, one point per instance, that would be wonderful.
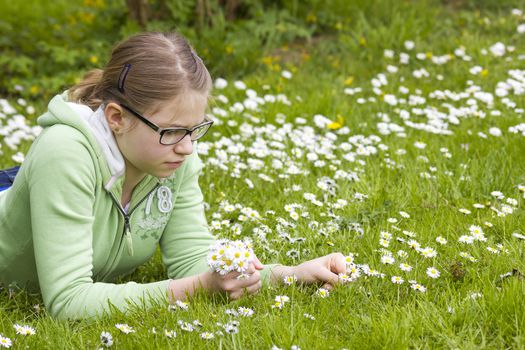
(164, 173)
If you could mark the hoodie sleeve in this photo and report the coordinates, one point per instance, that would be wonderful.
(61, 179)
(186, 240)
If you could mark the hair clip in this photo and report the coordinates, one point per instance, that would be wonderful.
(122, 77)
(195, 56)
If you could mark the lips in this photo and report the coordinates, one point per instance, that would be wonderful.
(175, 164)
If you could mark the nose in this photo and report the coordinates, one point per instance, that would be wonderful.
(184, 146)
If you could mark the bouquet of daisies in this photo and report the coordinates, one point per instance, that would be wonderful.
(226, 256)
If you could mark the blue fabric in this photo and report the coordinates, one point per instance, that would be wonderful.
(7, 177)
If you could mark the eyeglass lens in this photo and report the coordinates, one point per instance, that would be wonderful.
(170, 137)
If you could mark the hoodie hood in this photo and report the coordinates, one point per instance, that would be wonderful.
(94, 126)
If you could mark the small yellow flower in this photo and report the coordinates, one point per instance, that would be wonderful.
(484, 72)
(311, 18)
(93, 59)
(429, 54)
(362, 41)
(267, 60)
(337, 124)
(349, 80)
(86, 17)
(34, 90)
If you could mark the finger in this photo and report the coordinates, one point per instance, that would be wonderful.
(254, 288)
(324, 275)
(248, 290)
(328, 286)
(253, 279)
(250, 270)
(337, 263)
(258, 264)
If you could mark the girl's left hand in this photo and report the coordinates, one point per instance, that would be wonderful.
(324, 269)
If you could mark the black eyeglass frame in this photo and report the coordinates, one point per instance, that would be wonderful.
(162, 131)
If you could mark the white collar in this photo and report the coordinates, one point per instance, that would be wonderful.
(99, 126)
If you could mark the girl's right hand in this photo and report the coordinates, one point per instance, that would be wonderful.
(233, 285)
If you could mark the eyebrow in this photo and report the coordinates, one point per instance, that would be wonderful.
(182, 126)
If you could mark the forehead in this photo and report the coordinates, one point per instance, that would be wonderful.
(185, 110)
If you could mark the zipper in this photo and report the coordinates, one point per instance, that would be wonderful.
(126, 235)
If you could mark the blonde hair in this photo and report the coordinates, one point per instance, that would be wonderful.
(144, 70)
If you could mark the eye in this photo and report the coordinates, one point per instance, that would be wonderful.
(173, 136)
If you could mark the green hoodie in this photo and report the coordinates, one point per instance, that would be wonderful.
(63, 231)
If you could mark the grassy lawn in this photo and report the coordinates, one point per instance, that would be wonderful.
(401, 143)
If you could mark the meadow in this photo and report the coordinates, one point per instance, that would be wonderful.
(399, 143)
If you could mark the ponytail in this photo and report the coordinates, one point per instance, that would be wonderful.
(85, 91)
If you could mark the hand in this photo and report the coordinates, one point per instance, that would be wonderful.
(234, 285)
(324, 269)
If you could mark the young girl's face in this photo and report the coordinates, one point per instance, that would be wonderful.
(141, 146)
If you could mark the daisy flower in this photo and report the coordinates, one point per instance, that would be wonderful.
(397, 280)
(466, 239)
(170, 334)
(308, 316)
(387, 259)
(384, 242)
(322, 293)
(404, 214)
(385, 235)
(479, 236)
(518, 235)
(186, 326)
(207, 335)
(441, 240)
(497, 194)
(231, 329)
(106, 339)
(245, 312)
(467, 256)
(24, 330)
(349, 260)
(280, 301)
(282, 298)
(432, 272)
(124, 328)
(344, 278)
(493, 250)
(289, 280)
(179, 305)
(464, 211)
(413, 244)
(402, 254)
(405, 267)
(428, 252)
(475, 229)
(475, 295)
(5, 342)
(418, 287)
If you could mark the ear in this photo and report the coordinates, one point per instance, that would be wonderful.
(115, 117)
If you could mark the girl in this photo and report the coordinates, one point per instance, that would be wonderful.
(114, 174)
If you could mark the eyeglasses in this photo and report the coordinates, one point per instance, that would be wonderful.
(171, 136)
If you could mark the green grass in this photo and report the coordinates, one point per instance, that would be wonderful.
(370, 312)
